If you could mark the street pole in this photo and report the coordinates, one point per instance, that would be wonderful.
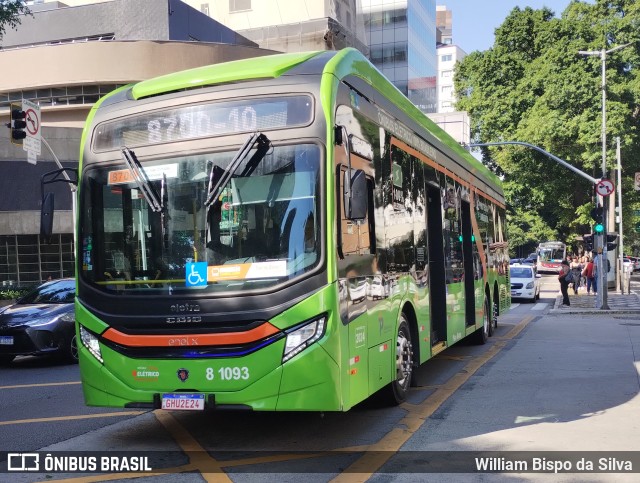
(605, 199)
(607, 217)
(620, 244)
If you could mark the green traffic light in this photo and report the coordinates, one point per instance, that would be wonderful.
(599, 228)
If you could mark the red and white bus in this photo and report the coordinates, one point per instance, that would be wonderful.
(550, 256)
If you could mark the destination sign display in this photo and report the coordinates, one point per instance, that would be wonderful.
(205, 120)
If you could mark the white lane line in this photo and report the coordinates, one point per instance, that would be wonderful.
(513, 306)
(540, 306)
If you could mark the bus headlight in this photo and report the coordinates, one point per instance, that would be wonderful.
(303, 336)
(90, 341)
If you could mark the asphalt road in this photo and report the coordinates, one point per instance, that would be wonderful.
(522, 391)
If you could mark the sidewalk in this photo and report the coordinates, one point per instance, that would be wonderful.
(586, 304)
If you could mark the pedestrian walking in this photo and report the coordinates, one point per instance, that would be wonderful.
(577, 274)
(564, 284)
(589, 272)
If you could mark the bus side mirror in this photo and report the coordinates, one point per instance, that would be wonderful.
(355, 195)
(46, 217)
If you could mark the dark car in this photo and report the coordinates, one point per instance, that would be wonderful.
(40, 323)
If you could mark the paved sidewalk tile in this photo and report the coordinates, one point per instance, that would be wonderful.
(583, 303)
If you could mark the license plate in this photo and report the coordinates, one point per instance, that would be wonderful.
(183, 402)
(513, 292)
(6, 340)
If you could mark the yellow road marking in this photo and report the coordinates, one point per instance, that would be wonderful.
(379, 453)
(69, 418)
(41, 385)
(198, 457)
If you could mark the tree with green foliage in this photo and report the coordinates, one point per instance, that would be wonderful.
(10, 11)
(533, 86)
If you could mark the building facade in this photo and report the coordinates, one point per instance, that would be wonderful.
(292, 25)
(448, 55)
(69, 56)
(402, 40)
(455, 123)
(444, 24)
(286, 25)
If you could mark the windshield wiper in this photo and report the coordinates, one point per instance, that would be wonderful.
(142, 180)
(218, 177)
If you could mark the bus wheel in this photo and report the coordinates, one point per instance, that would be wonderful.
(397, 390)
(494, 314)
(482, 334)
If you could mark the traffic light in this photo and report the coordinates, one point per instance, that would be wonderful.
(597, 215)
(18, 124)
(588, 242)
(612, 241)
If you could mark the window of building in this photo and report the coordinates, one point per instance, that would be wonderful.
(376, 54)
(400, 52)
(376, 19)
(239, 5)
(446, 104)
(446, 58)
(446, 90)
(56, 96)
(204, 8)
(446, 73)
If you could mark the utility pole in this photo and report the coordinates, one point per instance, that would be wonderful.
(620, 244)
(607, 218)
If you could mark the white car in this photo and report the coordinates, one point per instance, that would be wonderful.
(525, 282)
(377, 288)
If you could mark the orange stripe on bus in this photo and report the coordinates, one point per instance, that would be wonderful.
(225, 338)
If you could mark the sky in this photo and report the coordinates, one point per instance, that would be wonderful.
(475, 21)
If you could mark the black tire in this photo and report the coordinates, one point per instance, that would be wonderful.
(6, 360)
(396, 392)
(69, 350)
(482, 334)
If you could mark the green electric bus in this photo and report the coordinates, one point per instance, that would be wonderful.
(282, 233)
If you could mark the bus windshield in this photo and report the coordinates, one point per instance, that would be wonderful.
(551, 254)
(263, 228)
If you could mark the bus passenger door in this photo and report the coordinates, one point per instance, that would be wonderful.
(468, 263)
(437, 281)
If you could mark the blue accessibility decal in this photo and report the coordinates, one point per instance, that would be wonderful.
(196, 274)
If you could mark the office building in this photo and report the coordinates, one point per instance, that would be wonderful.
(402, 40)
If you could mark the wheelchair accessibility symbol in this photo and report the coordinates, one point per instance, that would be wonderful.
(196, 274)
